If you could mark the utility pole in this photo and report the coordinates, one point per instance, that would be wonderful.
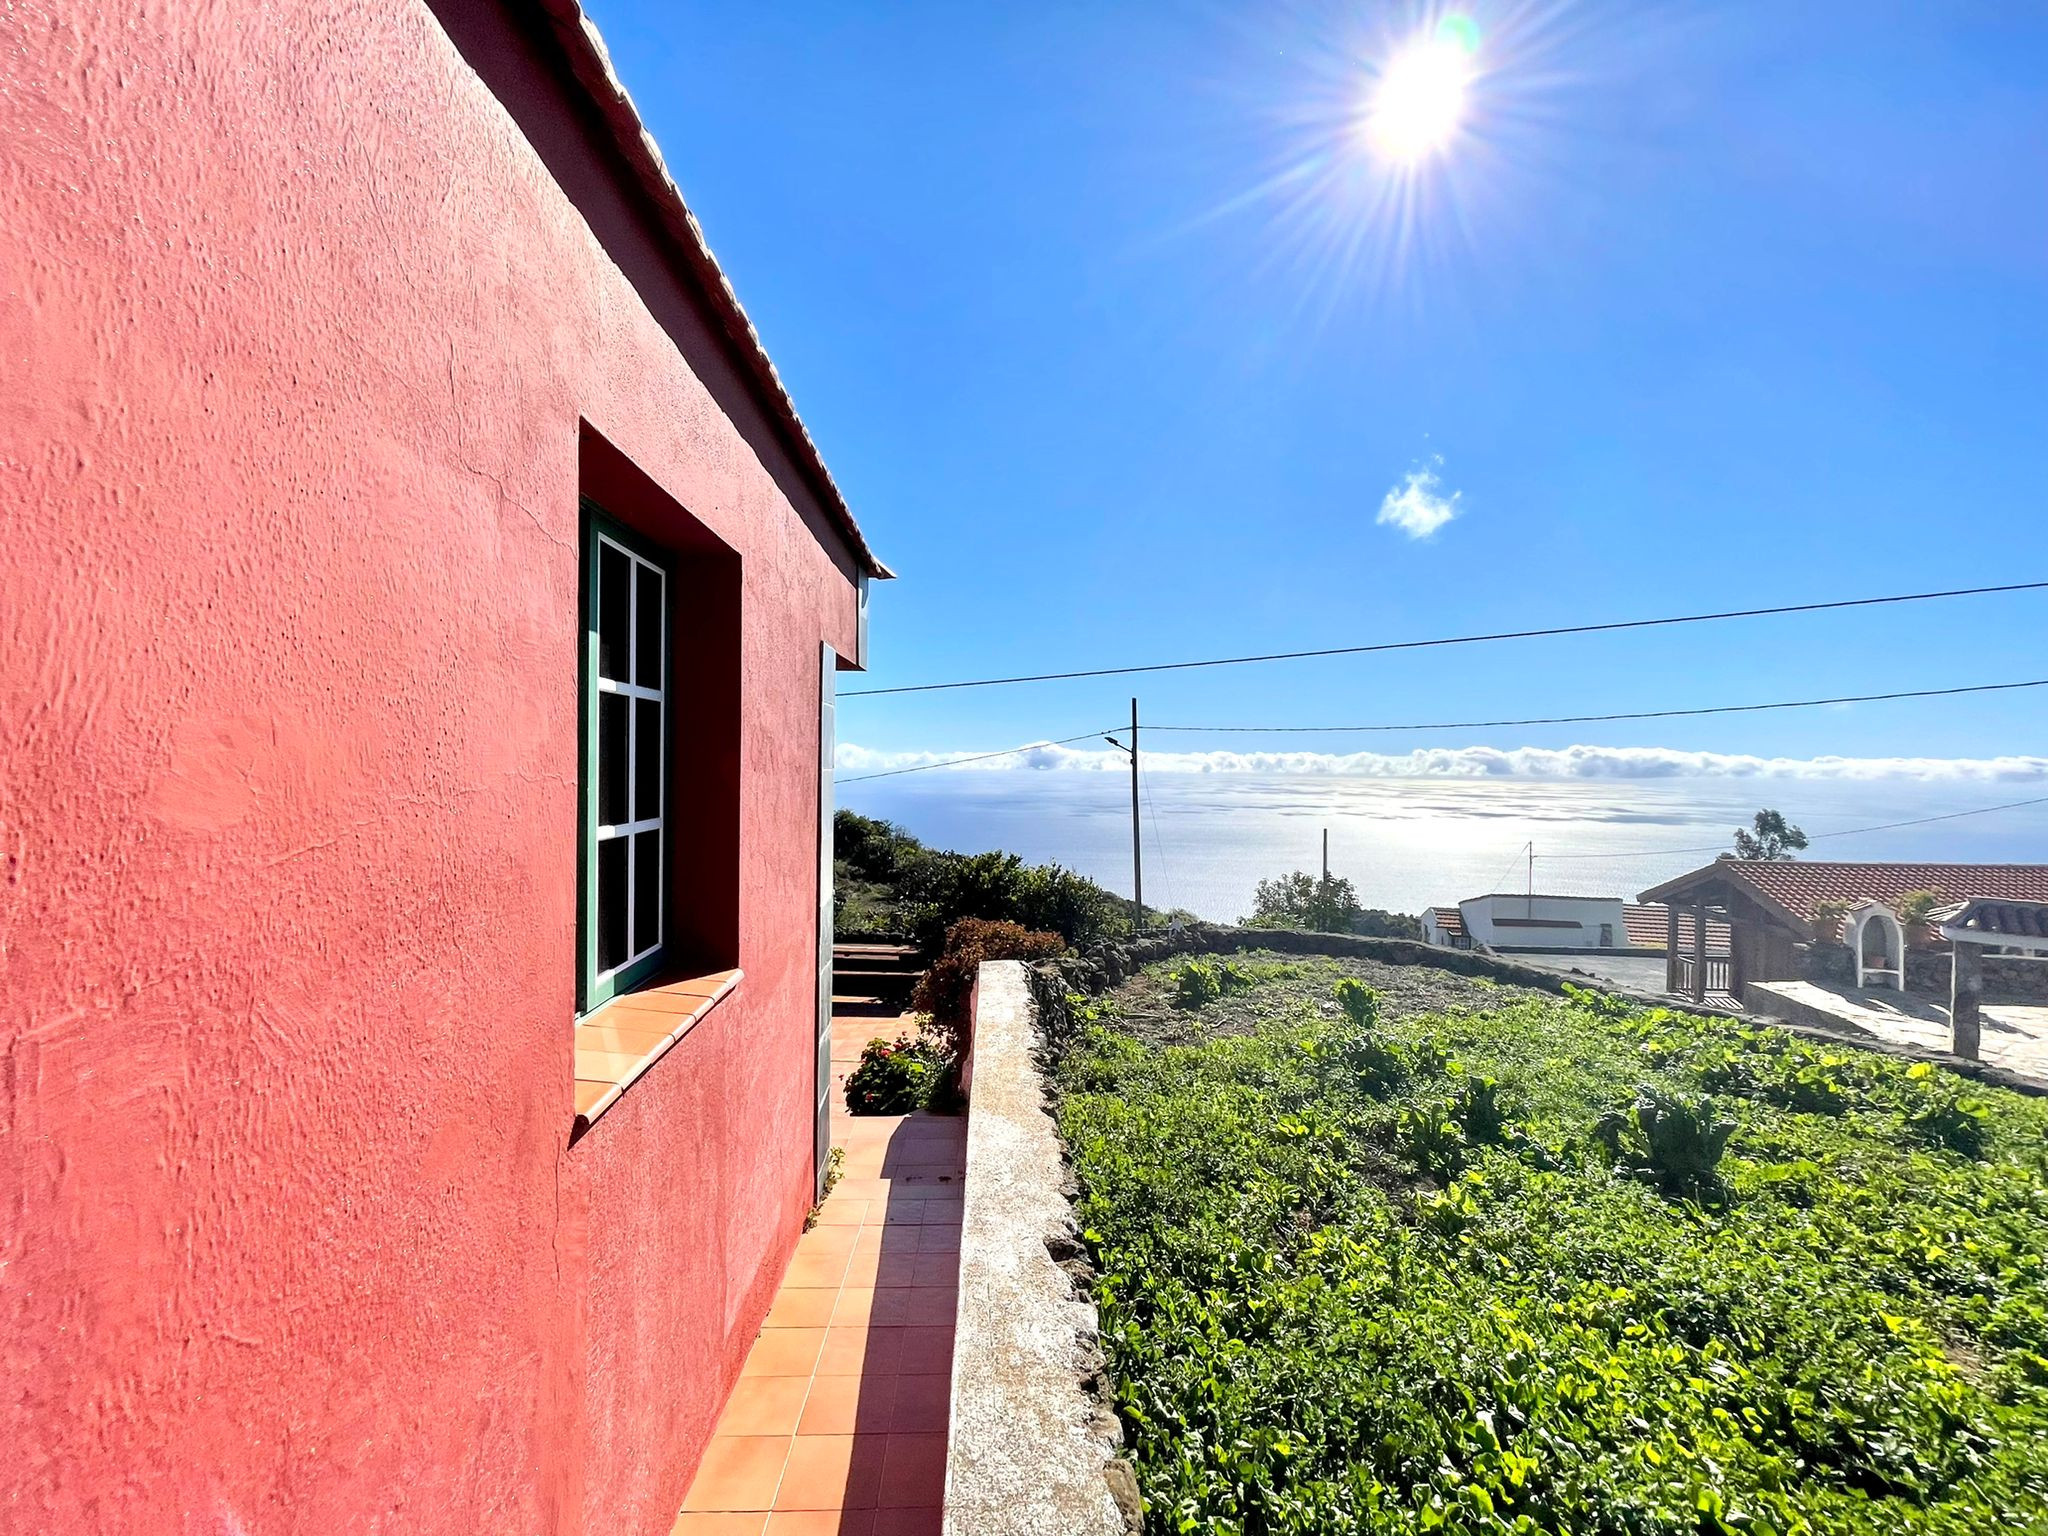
(1326, 856)
(1137, 844)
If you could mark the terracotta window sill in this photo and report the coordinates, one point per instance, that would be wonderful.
(625, 1037)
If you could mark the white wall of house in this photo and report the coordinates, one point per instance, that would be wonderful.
(1431, 933)
(1545, 922)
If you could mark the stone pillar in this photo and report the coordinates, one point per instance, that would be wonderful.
(1966, 997)
(1699, 951)
(1670, 946)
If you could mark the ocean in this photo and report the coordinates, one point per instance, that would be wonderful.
(1209, 838)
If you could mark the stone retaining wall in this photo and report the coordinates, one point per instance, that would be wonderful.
(2007, 978)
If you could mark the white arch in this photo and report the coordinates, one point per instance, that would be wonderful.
(1892, 973)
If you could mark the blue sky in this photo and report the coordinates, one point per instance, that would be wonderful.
(1117, 336)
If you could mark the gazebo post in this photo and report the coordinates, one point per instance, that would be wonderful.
(1699, 950)
(1670, 946)
(1965, 997)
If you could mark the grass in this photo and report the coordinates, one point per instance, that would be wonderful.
(1495, 1272)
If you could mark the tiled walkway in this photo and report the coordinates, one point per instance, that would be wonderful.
(838, 1424)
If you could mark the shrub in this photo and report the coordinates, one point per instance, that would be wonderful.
(1668, 1139)
(895, 1077)
(947, 985)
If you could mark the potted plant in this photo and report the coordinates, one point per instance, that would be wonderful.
(1913, 908)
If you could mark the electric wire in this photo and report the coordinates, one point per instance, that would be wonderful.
(1889, 826)
(1416, 645)
(1158, 843)
(1633, 714)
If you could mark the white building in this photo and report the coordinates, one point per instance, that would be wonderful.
(1504, 920)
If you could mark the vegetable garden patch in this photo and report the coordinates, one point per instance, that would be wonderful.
(1554, 1266)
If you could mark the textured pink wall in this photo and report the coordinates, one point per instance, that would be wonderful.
(297, 331)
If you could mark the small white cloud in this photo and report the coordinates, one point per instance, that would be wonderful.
(1418, 506)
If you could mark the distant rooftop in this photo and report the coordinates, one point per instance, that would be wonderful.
(1796, 887)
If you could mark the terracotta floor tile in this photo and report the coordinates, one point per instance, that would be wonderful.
(784, 1352)
(921, 1405)
(717, 1525)
(837, 1212)
(905, 1212)
(829, 1239)
(913, 1472)
(861, 1307)
(817, 1269)
(943, 1238)
(823, 1522)
(861, 1351)
(906, 1522)
(925, 1351)
(881, 1269)
(928, 1304)
(877, 1237)
(764, 1405)
(739, 1472)
(937, 1269)
(795, 1307)
(849, 1405)
(833, 1472)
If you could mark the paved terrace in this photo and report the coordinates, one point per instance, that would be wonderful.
(2015, 1035)
(838, 1424)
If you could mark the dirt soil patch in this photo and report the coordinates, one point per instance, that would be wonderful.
(1285, 982)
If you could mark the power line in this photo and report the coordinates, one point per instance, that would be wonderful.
(979, 757)
(1889, 826)
(1416, 645)
(1637, 714)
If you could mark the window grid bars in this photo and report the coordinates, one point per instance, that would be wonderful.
(632, 690)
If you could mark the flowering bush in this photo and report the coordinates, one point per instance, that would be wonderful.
(894, 1076)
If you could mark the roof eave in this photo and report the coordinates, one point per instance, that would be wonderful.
(589, 63)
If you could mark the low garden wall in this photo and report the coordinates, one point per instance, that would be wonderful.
(1034, 1447)
(2007, 978)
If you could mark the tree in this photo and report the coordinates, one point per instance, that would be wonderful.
(1770, 837)
(1301, 900)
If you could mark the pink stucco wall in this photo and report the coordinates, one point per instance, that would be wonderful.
(300, 324)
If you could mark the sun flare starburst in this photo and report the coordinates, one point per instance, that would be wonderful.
(1419, 99)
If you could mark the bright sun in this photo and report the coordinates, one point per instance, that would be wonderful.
(1419, 99)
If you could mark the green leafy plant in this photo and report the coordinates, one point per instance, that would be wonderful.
(1952, 1121)
(1361, 1003)
(1672, 1140)
(1476, 1108)
(835, 1169)
(1430, 1134)
(1196, 983)
(894, 1077)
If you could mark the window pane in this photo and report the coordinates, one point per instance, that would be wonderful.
(611, 758)
(646, 760)
(614, 612)
(646, 891)
(647, 650)
(611, 902)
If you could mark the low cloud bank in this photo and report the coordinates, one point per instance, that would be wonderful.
(1478, 763)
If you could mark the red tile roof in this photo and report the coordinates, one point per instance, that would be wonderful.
(1796, 886)
(1450, 921)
